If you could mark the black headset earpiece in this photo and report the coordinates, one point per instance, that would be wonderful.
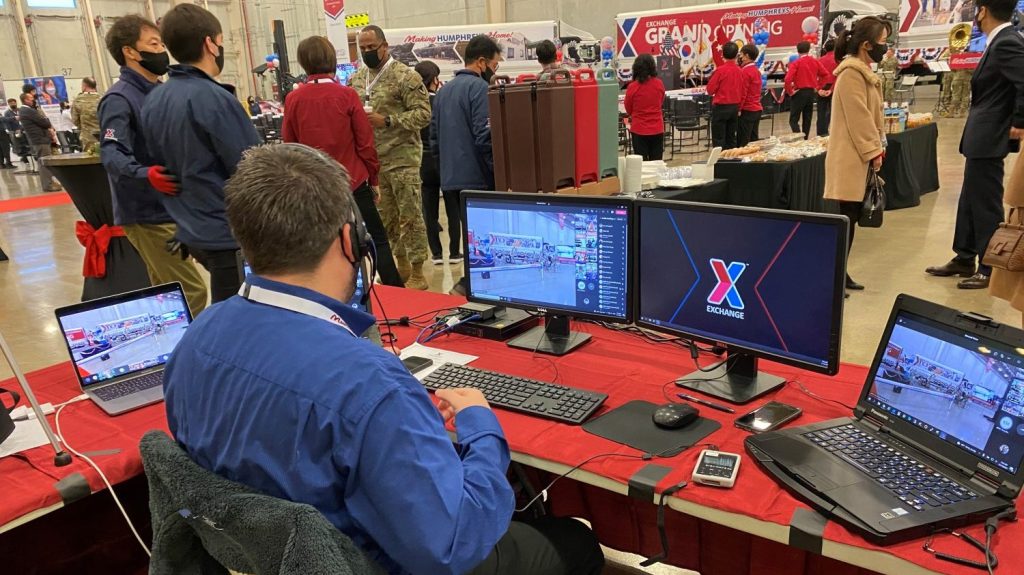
(359, 235)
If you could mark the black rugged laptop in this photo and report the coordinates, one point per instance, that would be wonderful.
(937, 437)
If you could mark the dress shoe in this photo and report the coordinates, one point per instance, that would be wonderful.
(977, 281)
(850, 284)
(954, 267)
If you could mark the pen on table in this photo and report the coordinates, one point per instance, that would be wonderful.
(710, 404)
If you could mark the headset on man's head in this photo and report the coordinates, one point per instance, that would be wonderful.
(362, 241)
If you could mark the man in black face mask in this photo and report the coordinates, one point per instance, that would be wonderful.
(196, 132)
(994, 128)
(460, 130)
(135, 44)
(398, 107)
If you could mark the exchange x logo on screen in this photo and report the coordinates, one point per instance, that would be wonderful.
(727, 277)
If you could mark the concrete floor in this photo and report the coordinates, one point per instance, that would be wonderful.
(46, 263)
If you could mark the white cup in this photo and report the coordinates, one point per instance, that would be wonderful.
(368, 108)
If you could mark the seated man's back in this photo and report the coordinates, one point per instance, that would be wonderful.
(303, 410)
(273, 389)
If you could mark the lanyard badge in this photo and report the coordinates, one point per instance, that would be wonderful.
(293, 303)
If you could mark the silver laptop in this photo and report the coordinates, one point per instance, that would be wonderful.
(119, 344)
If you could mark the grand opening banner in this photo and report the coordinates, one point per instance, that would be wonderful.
(691, 33)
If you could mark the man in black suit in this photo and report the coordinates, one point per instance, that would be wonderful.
(995, 126)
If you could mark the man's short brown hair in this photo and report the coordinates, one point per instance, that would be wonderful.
(286, 206)
(317, 56)
(126, 31)
(185, 29)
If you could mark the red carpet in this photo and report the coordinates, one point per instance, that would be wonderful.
(35, 202)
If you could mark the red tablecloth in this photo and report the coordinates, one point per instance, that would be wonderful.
(624, 367)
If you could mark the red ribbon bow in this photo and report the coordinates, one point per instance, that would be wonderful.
(96, 242)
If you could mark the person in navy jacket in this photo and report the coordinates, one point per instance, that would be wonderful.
(324, 417)
(460, 126)
(134, 43)
(198, 130)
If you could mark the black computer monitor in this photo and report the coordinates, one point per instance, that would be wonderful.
(563, 256)
(765, 283)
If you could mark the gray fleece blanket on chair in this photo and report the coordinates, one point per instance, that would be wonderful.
(204, 524)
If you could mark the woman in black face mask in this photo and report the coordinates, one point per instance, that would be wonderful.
(857, 145)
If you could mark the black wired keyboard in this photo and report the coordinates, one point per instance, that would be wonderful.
(915, 483)
(557, 402)
(141, 383)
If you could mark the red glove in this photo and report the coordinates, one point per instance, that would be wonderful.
(163, 181)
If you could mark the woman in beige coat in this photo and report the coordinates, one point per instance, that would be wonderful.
(1010, 285)
(857, 135)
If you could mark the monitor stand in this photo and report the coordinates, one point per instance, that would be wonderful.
(736, 381)
(553, 338)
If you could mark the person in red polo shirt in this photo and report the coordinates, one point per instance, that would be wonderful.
(802, 80)
(644, 97)
(750, 108)
(727, 89)
(828, 62)
(325, 115)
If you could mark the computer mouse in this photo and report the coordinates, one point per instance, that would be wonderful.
(675, 415)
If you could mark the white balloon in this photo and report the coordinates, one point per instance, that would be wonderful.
(810, 25)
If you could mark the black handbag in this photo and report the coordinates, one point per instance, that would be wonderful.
(874, 202)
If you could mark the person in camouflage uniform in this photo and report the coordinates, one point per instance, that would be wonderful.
(960, 88)
(401, 108)
(944, 104)
(83, 115)
(888, 69)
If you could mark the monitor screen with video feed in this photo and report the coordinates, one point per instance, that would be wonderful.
(344, 72)
(765, 282)
(958, 386)
(549, 253)
(125, 336)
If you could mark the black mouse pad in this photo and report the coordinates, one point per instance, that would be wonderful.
(631, 425)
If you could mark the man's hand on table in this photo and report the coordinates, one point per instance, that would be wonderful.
(452, 401)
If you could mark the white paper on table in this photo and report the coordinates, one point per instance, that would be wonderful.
(438, 356)
(27, 435)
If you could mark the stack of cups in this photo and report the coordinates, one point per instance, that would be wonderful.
(632, 182)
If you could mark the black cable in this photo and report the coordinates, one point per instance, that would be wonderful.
(988, 549)
(433, 311)
(662, 534)
(810, 393)
(695, 355)
(554, 366)
(645, 457)
(391, 338)
(991, 524)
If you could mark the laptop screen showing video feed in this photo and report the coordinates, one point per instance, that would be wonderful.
(553, 254)
(963, 388)
(125, 337)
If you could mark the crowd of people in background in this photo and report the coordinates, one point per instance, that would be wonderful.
(190, 181)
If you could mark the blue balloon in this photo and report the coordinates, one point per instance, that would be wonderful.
(793, 58)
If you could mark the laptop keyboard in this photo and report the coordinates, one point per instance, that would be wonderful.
(142, 383)
(916, 484)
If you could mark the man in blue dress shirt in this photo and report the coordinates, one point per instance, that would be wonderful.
(274, 389)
